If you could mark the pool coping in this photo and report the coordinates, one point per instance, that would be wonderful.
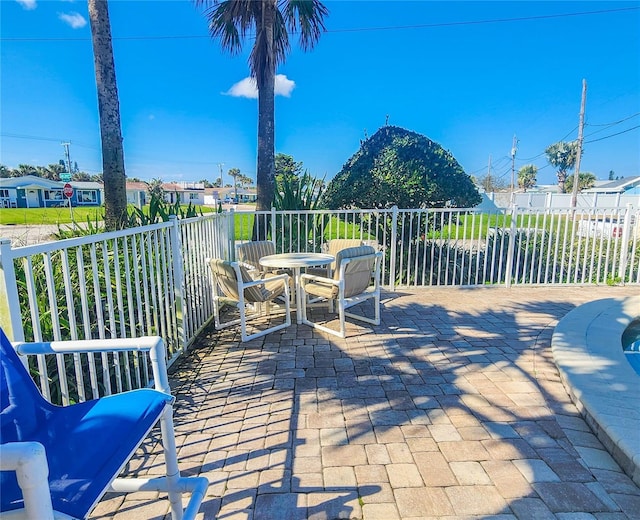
(587, 349)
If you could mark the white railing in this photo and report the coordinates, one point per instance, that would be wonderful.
(154, 279)
(122, 284)
(466, 247)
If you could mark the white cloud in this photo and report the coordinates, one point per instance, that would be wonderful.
(247, 87)
(73, 20)
(284, 85)
(244, 88)
(29, 5)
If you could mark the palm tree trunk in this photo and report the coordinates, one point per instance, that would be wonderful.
(265, 174)
(265, 177)
(113, 174)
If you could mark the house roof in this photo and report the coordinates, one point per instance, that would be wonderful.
(87, 185)
(617, 186)
(29, 181)
(172, 186)
(137, 186)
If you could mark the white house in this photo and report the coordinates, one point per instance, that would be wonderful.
(137, 193)
(187, 192)
(31, 191)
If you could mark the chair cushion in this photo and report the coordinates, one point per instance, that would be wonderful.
(357, 276)
(334, 246)
(225, 274)
(252, 252)
(87, 444)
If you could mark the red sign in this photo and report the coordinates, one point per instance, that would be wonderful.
(67, 190)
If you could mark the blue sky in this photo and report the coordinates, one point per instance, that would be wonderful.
(468, 75)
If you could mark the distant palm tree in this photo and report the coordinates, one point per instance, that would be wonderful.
(115, 191)
(562, 156)
(527, 176)
(232, 21)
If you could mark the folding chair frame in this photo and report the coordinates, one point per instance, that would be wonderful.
(343, 302)
(241, 303)
(29, 461)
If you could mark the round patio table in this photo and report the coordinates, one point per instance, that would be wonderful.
(296, 261)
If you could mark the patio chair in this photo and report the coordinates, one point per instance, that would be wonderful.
(356, 279)
(60, 460)
(332, 247)
(250, 253)
(232, 281)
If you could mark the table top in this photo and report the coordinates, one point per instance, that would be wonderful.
(296, 260)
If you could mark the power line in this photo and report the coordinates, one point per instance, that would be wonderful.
(617, 122)
(360, 29)
(480, 22)
(129, 155)
(613, 135)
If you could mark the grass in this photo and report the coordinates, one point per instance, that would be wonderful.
(55, 216)
(48, 216)
(336, 228)
(476, 226)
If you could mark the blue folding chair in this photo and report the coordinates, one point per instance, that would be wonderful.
(62, 459)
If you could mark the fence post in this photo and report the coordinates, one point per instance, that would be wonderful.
(624, 242)
(511, 247)
(10, 318)
(273, 225)
(178, 281)
(394, 247)
(231, 236)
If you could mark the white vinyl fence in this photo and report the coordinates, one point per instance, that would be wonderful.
(155, 280)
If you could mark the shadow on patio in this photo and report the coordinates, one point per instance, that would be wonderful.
(452, 407)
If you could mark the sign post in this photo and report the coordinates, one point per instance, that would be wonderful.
(67, 191)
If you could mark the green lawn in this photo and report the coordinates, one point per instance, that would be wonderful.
(54, 216)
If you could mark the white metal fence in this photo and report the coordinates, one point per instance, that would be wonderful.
(155, 280)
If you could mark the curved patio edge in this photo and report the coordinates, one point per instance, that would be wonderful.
(587, 349)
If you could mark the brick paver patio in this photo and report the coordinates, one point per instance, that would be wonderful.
(451, 408)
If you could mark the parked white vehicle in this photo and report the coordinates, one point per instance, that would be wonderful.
(607, 228)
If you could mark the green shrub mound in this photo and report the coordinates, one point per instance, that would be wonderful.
(397, 167)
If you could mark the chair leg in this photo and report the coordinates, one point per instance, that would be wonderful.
(341, 313)
(171, 463)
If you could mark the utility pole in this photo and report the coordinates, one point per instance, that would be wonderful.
(576, 173)
(66, 154)
(489, 175)
(220, 165)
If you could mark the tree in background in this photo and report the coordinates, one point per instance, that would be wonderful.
(245, 181)
(25, 169)
(562, 156)
(268, 24)
(586, 180)
(527, 176)
(115, 190)
(491, 183)
(397, 167)
(155, 189)
(234, 173)
(287, 167)
(51, 172)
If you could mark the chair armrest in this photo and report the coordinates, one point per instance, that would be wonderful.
(152, 344)
(263, 281)
(29, 461)
(316, 278)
